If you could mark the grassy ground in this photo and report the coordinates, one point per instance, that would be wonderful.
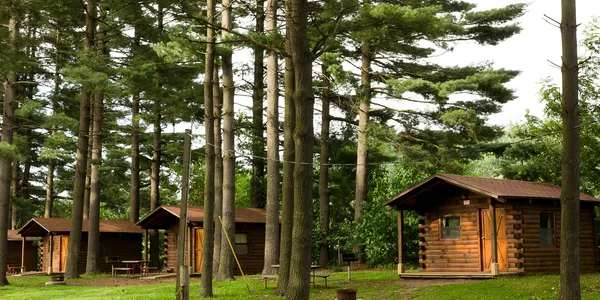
(378, 284)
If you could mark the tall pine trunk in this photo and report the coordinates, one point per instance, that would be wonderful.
(226, 259)
(88, 168)
(362, 139)
(257, 192)
(72, 270)
(134, 188)
(218, 104)
(287, 201)
(299, 281)
(571, 151)
(324, 171)
(272, 226)
(7, 137)
(209, 178)
(49, 203)
(156, 155)
(183, 287)
(93, 243)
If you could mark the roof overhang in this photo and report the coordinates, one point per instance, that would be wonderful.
(33, 228)
(160, 218)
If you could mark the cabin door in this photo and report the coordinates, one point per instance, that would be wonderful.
(198, 249)
(64, 249)
(486, 239)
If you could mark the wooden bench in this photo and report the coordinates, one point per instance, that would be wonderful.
(267, 277)
(13, 269)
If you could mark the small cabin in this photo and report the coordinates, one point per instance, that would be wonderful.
(475, 227)
(119, 240)
(21, 253)
(249, 239)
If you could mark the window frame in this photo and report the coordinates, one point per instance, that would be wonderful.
(238, 246)
(443, 234)
(552, 228)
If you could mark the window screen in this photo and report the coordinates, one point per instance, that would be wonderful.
(241, 244)
(546, 229)
(451, 227)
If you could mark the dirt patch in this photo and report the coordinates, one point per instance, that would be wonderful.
(117, 281)
(417, 283)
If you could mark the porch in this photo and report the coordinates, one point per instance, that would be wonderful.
(453, 275)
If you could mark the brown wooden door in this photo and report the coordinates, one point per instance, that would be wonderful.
(486, 239)
(64, 249)
(198, 248)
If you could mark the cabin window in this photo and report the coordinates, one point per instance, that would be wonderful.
(451, 227)
(241, 243)
(546, 229)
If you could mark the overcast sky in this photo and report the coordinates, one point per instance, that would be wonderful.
(528, 52)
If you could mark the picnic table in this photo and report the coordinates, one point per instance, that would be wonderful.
(130, 267)
(313, 272)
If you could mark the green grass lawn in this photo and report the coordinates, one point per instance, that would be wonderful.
(376, 284)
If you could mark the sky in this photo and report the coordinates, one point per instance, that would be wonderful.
(529, 52)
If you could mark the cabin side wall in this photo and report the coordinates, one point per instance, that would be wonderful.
(542, 259)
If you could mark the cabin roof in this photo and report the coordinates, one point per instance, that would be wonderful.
(13, 235)
(43, 226)
(492, 187)
(165, 215)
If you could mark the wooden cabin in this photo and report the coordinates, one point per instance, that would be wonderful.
(458, 214)
(21, 253)
(249, 239)
(119, 240)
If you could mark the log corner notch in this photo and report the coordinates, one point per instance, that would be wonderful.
(494, 264)
(401, 264)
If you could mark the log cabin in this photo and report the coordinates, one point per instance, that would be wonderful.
(119, 240)
(248, 242)
(475, 227)
(21, 253)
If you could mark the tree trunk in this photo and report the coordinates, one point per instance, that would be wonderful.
(14, 195)
(226, 259)
(72, 270)
(287, 203)
(49, 191)
(93, 243)
(299, 281)
(209, 178)
(257, 191)
(217, 104)
(324, 172)
(134, 200)
(570, 167)
(272, 205)
(361, 149)
(156, 159)
(183, 288)
(88, 168)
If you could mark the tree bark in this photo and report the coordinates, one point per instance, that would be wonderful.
(217, 104)
(324, 172)
(93, 243)
(49, 191)
(361, 149)
(571, 160)
(287, 203)
(226, 259)
(299, 281)
(209, 178)
(183, 288)
(88, 168)
(72, 270)
(134, 200)
(257, 191)
(272, 223)
(7, 137)
(156, 159)
(14, 195)
(134, 188)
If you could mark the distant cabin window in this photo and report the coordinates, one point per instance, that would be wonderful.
(451, 227)
(546, 229)
(241, 243)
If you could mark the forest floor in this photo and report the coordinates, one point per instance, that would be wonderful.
(374, 284)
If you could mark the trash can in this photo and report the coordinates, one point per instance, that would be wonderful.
(346, 294)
